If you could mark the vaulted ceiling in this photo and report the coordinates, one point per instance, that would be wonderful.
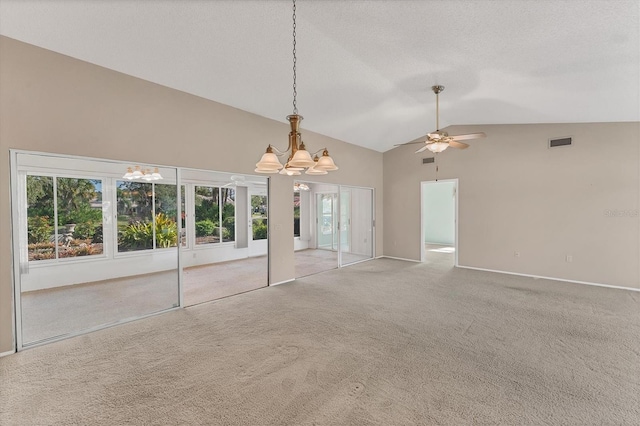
(365, 68)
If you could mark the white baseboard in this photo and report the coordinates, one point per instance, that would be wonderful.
(550, 278)
(7, 353)
(282, 282)
(401, 258)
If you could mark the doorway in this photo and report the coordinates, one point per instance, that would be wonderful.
(439, 222)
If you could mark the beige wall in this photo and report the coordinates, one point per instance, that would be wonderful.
(53, 103)
(515, 194)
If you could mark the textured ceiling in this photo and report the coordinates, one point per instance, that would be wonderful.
(365, 68)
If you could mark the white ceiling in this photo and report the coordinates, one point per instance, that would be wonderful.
(365, 68)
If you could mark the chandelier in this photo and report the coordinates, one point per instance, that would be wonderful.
(298, 186)
(299, 159)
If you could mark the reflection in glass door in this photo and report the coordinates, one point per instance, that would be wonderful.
(356, 224)
(259, 222)
(326, 220)
(228, 239)
(93, 249)
(345, 220)
(340, 223)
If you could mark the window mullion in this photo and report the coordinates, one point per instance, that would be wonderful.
(55, 215)
(153, 212)
(219, 215)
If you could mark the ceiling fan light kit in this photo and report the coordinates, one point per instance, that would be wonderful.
(299, 158)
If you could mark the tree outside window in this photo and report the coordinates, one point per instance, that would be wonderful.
(78, 207)
(146, 216)
(296, 213)
(214, 214)
(259, 218)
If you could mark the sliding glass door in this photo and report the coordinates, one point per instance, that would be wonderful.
(356, 224)
(227, 239)
(94, 249)
(333, 226)
(99, 242)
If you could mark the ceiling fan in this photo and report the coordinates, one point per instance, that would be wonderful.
(439, 140)
(236, 180)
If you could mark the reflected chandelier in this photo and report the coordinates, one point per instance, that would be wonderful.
(142, 174)
(299, 158)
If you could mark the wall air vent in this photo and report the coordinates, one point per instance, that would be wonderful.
(428, 160)
(553, 143)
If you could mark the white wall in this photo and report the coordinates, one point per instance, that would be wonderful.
(439, 211)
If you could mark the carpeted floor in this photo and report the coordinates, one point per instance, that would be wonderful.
(384, 342)
(216, 280)
(314, 261)
(66, 310)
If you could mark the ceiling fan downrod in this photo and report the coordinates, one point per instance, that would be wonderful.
(437, 89)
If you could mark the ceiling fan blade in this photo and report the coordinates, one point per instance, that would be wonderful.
(459, 145)
(469, 136)
(421, 140)
(421, 149)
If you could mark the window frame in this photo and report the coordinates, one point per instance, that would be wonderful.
(54, 175)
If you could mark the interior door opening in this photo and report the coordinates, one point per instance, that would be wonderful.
(439, 222)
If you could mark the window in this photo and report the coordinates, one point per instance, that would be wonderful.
(146, 216)
(296, 213)
(77, 205)
(214, 214)
(228, 197)
(259, 219)
(166, 211)
(183, 217)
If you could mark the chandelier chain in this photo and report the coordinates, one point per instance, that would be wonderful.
(295, 93)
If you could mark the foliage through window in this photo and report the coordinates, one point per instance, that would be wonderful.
(296, 213)
(259, 220)
(77, 203)
(146, 215)
(214, 214)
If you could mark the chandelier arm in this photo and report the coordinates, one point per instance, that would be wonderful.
(317, 152)
(279, 152)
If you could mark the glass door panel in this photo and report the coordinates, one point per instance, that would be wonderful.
(345, 220)
(356, 224)
(228, 249)
(326, 219)
(93, 249)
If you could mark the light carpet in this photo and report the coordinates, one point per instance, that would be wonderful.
(384, 342)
